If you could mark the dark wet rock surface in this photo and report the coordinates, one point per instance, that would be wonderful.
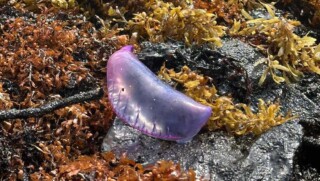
(226, 70)
(286, 152)
(307, 161)
(217, 155)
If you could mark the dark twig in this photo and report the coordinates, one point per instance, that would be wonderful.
(51, 106)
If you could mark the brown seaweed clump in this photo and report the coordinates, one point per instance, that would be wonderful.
(165, 21)
(288, 55)
(44, 58)
(237, 119)
(105, 166)
(226, 10)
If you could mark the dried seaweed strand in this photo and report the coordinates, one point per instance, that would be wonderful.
(51, 106)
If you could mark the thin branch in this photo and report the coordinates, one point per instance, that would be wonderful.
(51, 106)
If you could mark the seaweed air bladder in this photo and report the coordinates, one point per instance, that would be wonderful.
(149, 105)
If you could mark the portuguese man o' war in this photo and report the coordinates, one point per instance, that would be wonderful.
(149, 105)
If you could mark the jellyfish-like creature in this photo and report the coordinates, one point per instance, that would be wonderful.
(149, 105)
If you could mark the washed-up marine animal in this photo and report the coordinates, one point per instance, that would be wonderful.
(149, 105)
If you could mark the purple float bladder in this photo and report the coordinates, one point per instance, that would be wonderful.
(149, 105)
